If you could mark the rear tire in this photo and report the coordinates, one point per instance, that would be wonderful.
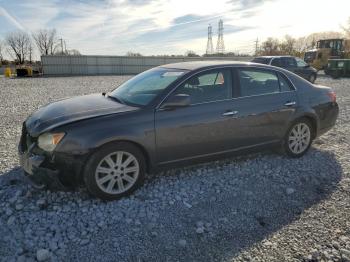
(298, 138)
(114, 171)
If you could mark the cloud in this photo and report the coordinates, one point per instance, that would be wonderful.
(11, 19)
(166, 26)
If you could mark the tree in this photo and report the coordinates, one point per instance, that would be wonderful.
(2, 47)
(73, 52)
(270, 47)
(132, 54)
(45, 40)
(347, 29)
(287, 46)
(19, 45)
(191, 53)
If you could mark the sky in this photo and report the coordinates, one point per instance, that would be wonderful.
(153, 27)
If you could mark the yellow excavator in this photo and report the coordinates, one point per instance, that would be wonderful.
(327, 49)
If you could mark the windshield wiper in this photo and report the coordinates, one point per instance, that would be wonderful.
(116, 99)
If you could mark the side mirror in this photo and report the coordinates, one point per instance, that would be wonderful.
(179, 100)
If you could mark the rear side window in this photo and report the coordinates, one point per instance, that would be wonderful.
(258, 82)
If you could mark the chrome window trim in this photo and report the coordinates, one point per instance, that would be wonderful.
(158, 108)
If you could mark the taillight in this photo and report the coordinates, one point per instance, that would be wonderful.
(332, 96)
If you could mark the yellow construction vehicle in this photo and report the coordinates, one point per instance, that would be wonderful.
(327, 49)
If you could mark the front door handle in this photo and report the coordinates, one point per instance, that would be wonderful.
(230, 113)
(290, 103)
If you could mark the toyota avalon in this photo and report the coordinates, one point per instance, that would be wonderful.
(172, 114)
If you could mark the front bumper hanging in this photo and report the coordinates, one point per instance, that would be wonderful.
(40, 177)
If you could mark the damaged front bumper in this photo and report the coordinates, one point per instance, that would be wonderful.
(40, 177)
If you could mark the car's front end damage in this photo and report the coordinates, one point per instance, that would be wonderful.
(48, 154)
(36, 163)
(48, 168)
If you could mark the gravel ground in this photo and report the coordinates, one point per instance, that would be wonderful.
(261, 207)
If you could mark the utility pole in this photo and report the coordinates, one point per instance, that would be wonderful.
(61, 45)
(65, 47)
(256, 46)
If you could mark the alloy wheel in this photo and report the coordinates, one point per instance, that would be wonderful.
(299, 138)
(117, 172)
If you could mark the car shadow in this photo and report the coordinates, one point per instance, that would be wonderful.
(237, 202)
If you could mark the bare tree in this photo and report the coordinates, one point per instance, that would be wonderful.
(288, 45)
(73, 52)
(19, 45)
(191, 53)
(132, 54)
(45, 40)
(270, 47)
(2, 47)
(347, 28)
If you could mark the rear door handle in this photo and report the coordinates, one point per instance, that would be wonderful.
(230, 113)
(291, 103)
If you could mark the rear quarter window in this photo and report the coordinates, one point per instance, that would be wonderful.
(285, 84)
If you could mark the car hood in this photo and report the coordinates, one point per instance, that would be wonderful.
(73, 109)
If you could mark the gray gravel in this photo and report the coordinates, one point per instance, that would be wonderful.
(261, 207)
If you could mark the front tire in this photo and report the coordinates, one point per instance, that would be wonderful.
(114, 171)
(299, 138)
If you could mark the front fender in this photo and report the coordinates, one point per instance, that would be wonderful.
(84, 137)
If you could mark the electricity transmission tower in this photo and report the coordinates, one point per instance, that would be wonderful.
(210, 49)
(220, 46)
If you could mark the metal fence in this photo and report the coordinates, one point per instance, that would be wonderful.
(113, 65)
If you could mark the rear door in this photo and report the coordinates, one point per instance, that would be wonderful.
(265, 103)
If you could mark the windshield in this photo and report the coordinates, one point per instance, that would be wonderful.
(143, 88)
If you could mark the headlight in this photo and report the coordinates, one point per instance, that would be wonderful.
(48, 141)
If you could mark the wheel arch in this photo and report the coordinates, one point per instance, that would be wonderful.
(145, 153)
(313, 120)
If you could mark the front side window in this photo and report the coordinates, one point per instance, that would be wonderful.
(209, 86)
(143, 88)
(257, 82)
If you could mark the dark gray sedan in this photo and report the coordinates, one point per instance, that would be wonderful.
(172, 114)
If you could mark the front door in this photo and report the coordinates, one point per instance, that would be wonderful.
(201, 128)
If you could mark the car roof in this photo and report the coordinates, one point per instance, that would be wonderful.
(193, 65)
(273, 56)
